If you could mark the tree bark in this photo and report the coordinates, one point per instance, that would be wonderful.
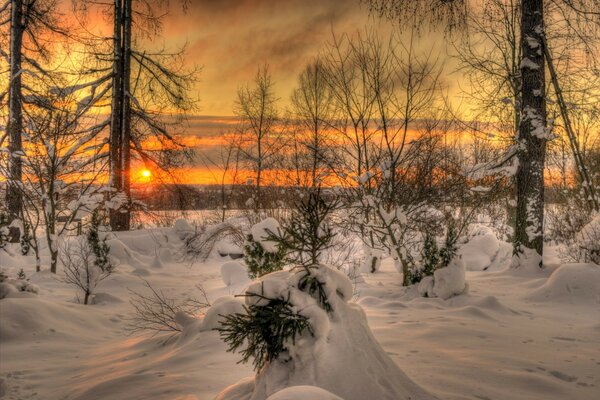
(14, 198)
(116, 119)
(532, 138)
(120, 129)
(126, 126)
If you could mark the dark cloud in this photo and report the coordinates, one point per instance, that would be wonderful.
(230, 38)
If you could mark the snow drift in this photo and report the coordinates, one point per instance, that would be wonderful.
(341, 355)
(571, 283)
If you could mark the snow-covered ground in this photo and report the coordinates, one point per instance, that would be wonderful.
(513, 335)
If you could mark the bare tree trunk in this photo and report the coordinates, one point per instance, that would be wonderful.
(589, 190)
(126, 127)
(529, 224)
(14, 199)
(120, 130)
(116, 119)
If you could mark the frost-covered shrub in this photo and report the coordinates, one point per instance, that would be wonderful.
(434, 258)
(98, 245)
(200, 243)
(564, 220)
(12, 286)
(587, 243)
(263, 252)
(26, 239)
(4, 231)
(156, 312)
(80, 268)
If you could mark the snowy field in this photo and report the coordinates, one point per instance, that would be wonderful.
(514, 335)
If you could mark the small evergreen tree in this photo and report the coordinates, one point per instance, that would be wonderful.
(431, 255)
(308, 233)
(261, 262)
(26, 239)
(21, 275)
(265, 329)
(99, 246)
(448, 252)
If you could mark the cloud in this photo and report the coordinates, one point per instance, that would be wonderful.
(231, 38)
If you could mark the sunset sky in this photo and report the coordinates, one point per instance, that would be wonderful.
(228, 39)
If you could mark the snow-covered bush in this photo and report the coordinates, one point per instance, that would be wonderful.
(200, 243)
(80, 268)
(263, 252)
(233, 272)
(434, 258)
(98, 244)
(299, 328)
(155, 312)
(26, 239)
(4, 232)
(588, 242)
(12, 286)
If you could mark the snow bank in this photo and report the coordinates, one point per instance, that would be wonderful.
(221, 307)
(26, 317)
(304, 393)
(450, 281)
(183, 228)
(17, 288)
(571, 283)
(341, 356)
(232, 273)
(479, 252)
(262, 230)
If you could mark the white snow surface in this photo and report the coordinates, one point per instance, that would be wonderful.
(449, 281)
(304, 393)
(518, 336)
(262, 231)
(233, 272)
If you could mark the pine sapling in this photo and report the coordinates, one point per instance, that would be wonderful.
(448, 252)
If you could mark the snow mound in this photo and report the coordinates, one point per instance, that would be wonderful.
(232, 272)
(304, 393)
(222, 307)
(22, 318)
(183, 228)
(341, 356)
(262, 231)
(571, 283)
(479, 252)
(450, 281)
(17, 288)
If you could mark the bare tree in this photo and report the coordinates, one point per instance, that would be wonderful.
(79, 268)
(533, 132)
(144, 86)
(260, 130)
(33, 26)
(313, 113)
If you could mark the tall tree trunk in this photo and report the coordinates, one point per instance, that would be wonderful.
(533, 135)
(120, 130)
(14, 197)
(126, 126)
(116, 117)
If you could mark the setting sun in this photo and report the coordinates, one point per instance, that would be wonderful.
(146, 173)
